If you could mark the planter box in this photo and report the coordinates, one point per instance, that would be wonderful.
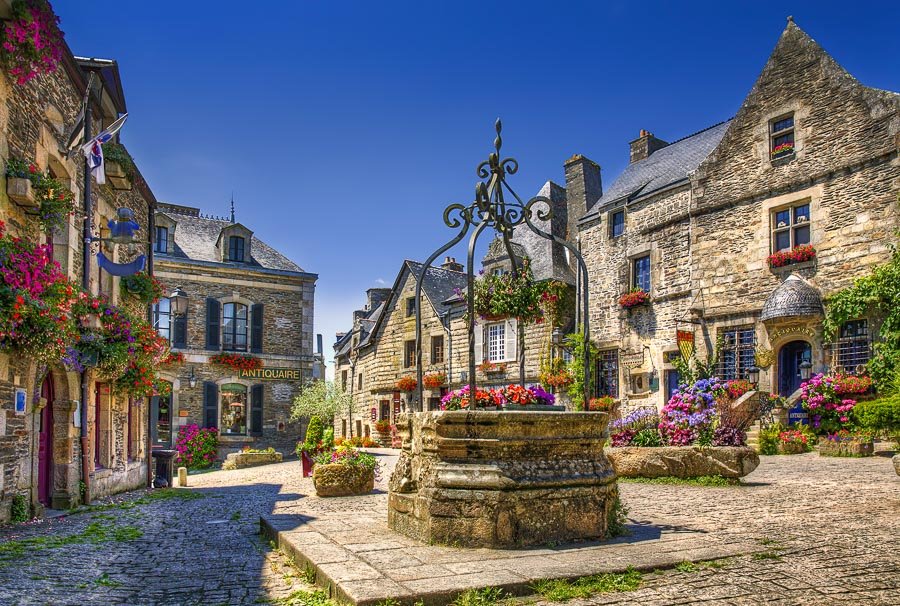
(789, 449)
(683, 461)
(336, 480)
(117, 177)
(849, 448)
(534, 407)
(500, 480)
(21, 191)
(240, 460)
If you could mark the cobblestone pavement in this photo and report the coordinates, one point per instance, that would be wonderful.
(832, 527)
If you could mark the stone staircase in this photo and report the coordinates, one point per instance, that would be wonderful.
(753, 435)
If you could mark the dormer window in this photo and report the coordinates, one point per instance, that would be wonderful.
(236, 249)
(781, 137)
(161, 244)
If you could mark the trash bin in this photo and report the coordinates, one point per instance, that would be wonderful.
(163, 473)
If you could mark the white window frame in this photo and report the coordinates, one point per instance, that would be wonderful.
(496, 342)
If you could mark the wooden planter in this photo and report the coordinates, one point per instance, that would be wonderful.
(117, 177)
(21, 191)
(337, 480)
(848, 448)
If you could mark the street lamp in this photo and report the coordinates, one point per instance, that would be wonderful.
(805, 370)
(179, 301)
(192, 380)
(556, 336)
(753, 374)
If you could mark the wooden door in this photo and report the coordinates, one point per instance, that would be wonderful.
(45, 445)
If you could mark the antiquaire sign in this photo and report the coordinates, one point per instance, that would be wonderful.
(280, 374)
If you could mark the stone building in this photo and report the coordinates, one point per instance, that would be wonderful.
(244, 298)
(810, 158)
(41, 440)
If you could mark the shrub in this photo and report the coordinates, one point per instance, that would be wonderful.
(312, 443)
(19, 511)
(881, 415)
(768, 439)
(827, 410)
(647, 437)
(196, 446)
(346, 455)
(689, 415)
(368, 442)
(383, 426)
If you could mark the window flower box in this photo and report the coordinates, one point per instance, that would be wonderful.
(783, 150)
(236, 361)
(21, 191)
(407, 384)
(434, 380)
(492, 368)
(117, 176)
(798, 254)
(634, 298)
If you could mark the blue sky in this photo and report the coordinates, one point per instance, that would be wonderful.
(345, 128)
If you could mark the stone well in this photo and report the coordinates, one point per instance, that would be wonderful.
(501, 479)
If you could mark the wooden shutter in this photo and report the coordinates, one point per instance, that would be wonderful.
(511, 337)
(213, 324)
(256, 328)
(480, 355)
(256, 409)
(179, 332)
(154, 419)
(210, 404)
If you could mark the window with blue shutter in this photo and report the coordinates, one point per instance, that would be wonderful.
(256, 409)
(213, 324)
(256, 328)
(210, 404)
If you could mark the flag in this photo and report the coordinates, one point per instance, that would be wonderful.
(93, 149)
(685, 340)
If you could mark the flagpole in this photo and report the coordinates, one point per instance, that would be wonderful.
(86, 285)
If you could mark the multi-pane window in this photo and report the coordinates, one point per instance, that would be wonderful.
(608, 373)
(234, 327)
(496, 342)
(437, 349)
(409, 353)
(737, 353)
(853, 346)
(617, 224)
(344, 380)
(161, 244)
(359, 381)
(790, 227)
(162, 318)
(236, 249)
(781, 136)
(498, 271)
(410, 306)
(640, 273)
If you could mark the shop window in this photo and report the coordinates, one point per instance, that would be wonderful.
(437, 349)
(790, 227)
(736, 356)
(781, 137)
(234, 327)
(608, 373)
(161, 243)
(640, 273)
(409, 353)
(496, 342)
(233, 409)
(854, 346)
(236, 249)
(162, 318)
(616, 223)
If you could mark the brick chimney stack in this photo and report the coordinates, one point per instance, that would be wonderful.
(450, 264)
(376, 296)
(645, 145)
(583, 189)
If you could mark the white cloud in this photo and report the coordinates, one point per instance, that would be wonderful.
(380, 281)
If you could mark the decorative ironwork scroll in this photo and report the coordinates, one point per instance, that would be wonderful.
(497, 206)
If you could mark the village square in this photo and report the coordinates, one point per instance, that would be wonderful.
(672, 382)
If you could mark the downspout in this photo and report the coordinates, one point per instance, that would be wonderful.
(151, 234)
(86, 285)
(446, 318)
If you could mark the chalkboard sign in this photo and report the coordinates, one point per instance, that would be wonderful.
(798, 415)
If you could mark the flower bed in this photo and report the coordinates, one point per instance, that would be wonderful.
(793, 441)
(634, 298)
(845, 443)
(236, 361)
(828, 411)
(433, 380)
(344, 472)
(798, 254)
(32, 41)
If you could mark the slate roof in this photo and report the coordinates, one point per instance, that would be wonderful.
(662, 168)
(440, 284)
(196, 237)
(367, 324)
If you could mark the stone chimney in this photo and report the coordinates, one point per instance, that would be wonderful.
(376, 296)
(583, 189)
(338, 336)
(645, 145)
(450, 264)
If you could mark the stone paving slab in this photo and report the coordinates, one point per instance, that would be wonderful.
(371, 563)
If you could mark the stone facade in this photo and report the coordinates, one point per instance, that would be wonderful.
(35, 121)
(709, 230)
(194, 258)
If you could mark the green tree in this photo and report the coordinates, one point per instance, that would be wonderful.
(323, 399)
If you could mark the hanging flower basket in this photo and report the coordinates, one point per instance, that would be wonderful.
(119, 166)
(32, 41)
(492, 368)
(634, 298)
(144, 286)
(798, 254)
(407, 384)
(236, 361)
(501, 296)
(434, 380)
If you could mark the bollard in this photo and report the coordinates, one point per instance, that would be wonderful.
(182, 476)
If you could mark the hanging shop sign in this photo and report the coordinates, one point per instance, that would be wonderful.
(633, 359)
(374, 413)
(280, 374)
(685, 340)
(396, 408)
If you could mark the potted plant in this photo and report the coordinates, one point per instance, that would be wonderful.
(793, 441)
(434, 380)
(407, 384)
(383, 431)
(602, 404)
(56, 201)
(634, 298)
(143, 286)
(344, 472)
(32, 42)
(459, 399)
(492, 368)
(516, 397)
(504, 295)
(19, 186)
(311, 445)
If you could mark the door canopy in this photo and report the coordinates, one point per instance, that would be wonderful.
(795, 297)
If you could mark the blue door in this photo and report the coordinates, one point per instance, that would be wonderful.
(790, 357)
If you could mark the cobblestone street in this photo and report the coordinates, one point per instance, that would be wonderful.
(832, 526)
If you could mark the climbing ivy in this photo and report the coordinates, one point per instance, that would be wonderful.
(875, 294)
(575, 343)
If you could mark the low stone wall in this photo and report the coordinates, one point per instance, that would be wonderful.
(683, 461)
(896, 460)
(336, 480)
(240, 460)
(834, 448)
(500, 479)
